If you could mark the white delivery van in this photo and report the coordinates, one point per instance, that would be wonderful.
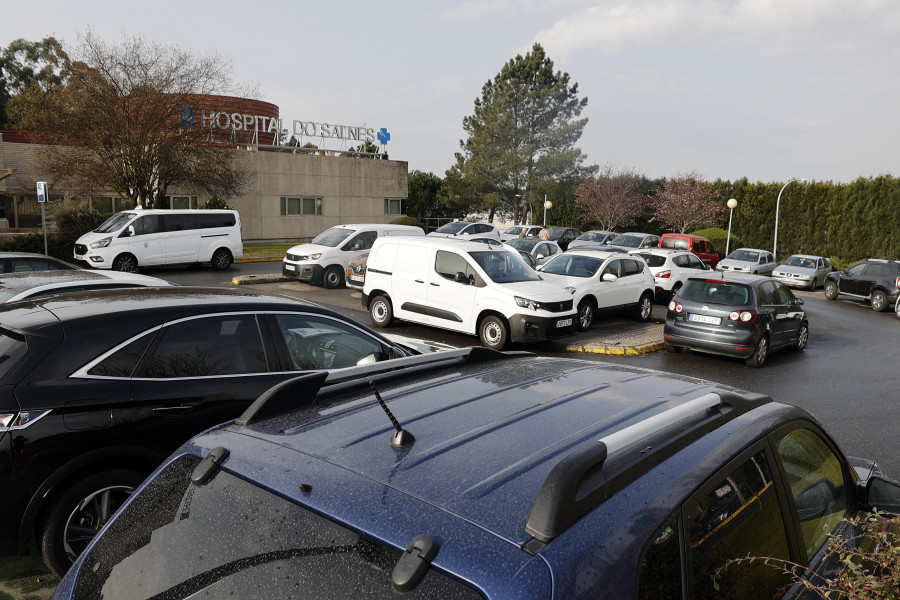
(140, 238)
(463, 286)
(326, 258)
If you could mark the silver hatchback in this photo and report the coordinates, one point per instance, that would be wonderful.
(803, 271)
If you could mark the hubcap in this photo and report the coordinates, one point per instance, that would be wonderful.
(492, 333)
(587, 314)
(90, 516)
(761, 352)
(803, 337)
(379, 311)
(645, 308)
(878, 302)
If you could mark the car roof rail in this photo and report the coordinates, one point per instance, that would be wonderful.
(305, 389)
(586, 477)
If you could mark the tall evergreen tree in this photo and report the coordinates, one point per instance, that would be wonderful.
(25, 63)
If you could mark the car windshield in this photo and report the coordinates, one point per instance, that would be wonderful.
(332, 237)
(523, 245)
(709, 291)
(592, 236)
(573, 265)
(629, 241)
(504, 267)
(452, 227)
(515, 230)
(555, 232)
(744, 255)
(115, 222)
(800, 261)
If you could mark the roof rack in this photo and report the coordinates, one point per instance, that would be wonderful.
(585, 478)
(304, 389)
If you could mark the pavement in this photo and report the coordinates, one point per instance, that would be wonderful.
(616, 336)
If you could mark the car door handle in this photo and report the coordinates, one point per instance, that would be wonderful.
(435, 284)
(420, 281)
(172, 410)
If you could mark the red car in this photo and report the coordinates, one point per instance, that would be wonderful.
(696, 244)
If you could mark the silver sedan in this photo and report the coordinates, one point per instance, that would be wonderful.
(803, 271)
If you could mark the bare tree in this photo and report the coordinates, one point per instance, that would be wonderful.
(688, 203)
(613, 199)
(124, 121)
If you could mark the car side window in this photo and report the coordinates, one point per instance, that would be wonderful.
(632, 267)
(614, 267)
(817, 484)
(315, 342)
(785, 297)
(147, 224)
(857, 269)
(738, 516)
(448, 264)
(123, 361)
(220, 345)
(362, 241)
(659, 572)
(694, 263)
(766, 294)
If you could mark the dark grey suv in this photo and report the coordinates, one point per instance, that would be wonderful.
(877, 281)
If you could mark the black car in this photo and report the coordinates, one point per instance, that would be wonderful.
(735, 314)
(96, 389)
(877, 281)
(561, 235)
(18, 262)
(476, 475)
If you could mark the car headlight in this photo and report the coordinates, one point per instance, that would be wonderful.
(571, 290)
(101, 243)
(526, 303)
(746, 269)
(315, 256)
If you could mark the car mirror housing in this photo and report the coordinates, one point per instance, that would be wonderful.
(882, 494)
(461, 278)
(609, 277)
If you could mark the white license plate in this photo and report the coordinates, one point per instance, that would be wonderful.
(357, 278)
(290, 267)
(706, 319)
(564, 322)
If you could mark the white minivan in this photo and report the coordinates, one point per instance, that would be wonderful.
(138, 238)
(464, 286)
(326, 258)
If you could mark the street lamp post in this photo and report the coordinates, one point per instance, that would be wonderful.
(547, 205)
(731, 204)
(516, 202)
(777, 205)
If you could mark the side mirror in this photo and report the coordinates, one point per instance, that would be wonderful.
(539, 256)
(798, 301)
(609, 277)
(461, 278)
(129, 231)
(882, 493)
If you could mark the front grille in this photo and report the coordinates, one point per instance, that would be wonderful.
(559, 306)
(80, 249)
(296, 257)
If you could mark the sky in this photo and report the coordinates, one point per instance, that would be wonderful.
(769, 90)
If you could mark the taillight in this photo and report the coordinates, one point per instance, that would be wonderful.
(676, 306)
(664, 274)
(742, 315)
(898, 283)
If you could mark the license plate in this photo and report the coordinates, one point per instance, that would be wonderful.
(564, 322)
(357, 278)
(290, 267)
(706, 319)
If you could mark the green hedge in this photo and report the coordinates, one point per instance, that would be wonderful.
(408, 221)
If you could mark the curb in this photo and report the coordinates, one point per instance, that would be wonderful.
(261, 278)
(256, 259)
(617, 350)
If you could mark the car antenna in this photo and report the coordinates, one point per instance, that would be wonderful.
(400, 437)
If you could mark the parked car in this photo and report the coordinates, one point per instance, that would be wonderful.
(465, 229)
(15, 262)
(897, 307)
(602, 281)
(670, 269)
(97, 388)
(561, 235)
(540, 250)
(748, 260)
(355, 275)
(518, 231)
(133, 239)
(877, 281)
(592, 238)
(22, 285)
(734, 314)
(482, 475)
(697, 244)
(483, 240)
(803, 271)
(325, 259)
(633, 239)
(466, 287)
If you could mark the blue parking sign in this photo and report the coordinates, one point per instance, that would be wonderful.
(42, 191)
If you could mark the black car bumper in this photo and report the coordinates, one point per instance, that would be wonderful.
(302, 272)
(532, 328)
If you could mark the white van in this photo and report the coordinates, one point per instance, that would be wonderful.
(467, 287)
(326, 258)
(140, 238)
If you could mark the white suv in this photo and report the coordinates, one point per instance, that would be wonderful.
(670, 269)
(466, 229)
(602, 280)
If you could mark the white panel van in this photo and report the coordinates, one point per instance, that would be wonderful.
(141, 238)
(326, 258)
(463, 286)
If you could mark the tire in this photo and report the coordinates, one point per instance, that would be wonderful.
(760, 353)
(675, 289)
(126, 263)
(670, 348)
(879, 301)
(897, 308)
(586, 312)
(221, 259)
(381, 312)
(333, 278)
(493, 333)
(644, 308)
(83, 508)
(802, 337)
(813, 284)
(831, 290)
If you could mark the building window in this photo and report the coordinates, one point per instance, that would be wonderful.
(181, 202)
(303, 206)
(395, 206)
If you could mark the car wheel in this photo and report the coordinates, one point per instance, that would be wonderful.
(813, 284)
(897, 308)
(585, 315)
(221, 259)
(802, 337)
(879, 301)
(126, 263)
(333, 278)
(671, 348)
(78, 514)
(675, 288)
(493, 332)
(645, 308)
(760, 354)
(381, 312)
(831, 290)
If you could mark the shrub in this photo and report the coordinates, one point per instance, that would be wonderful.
(718, 236)
(215, 203)
(71, 224)
(408, 221)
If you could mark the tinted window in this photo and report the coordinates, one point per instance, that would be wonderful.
(766, 294)
(360, 242)
(715, 292)
(322, 343)
(632, 267)
(12, 348)
(878, 270)
(222, 345)
(692, 262)
(176, 541)
(739, 516)
(654, 260)
(675, 243)
(148, 224)
(785, 297)
(614, 267)
(450, 227)
(659, 577)
(857, 269)
(123, 361)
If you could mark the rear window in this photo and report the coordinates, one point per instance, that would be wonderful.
(12, 348)
(715, 292)
(232, 539)
(675, 243)
(653, 260)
